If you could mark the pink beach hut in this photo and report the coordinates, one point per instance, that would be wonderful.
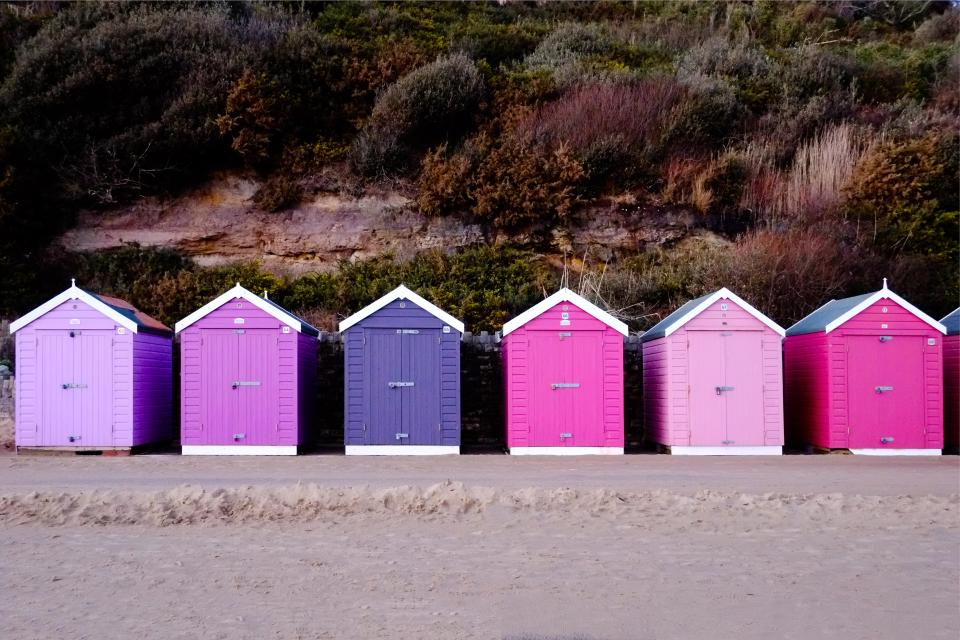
(563, 370)
(93, 373)
(246, 380)
(951, 382)
(712, 380)
(865, 374)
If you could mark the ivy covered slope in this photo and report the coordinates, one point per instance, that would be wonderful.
(818, 143)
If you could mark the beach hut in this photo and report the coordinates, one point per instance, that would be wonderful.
(247, 370)
(712, 379)
(951, 382)
(865, 374)
(401, 378)
(563, 371)
(93, 373)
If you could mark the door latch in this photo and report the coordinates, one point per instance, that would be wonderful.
(721, 389)
(727, 441)
(394, 385)
(73, 385)
(245, 383)
(882, 389)
(565, 385)
(565, 435)
(886, 439)
(401, 436)
(239, 436)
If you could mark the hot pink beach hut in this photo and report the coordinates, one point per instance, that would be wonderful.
(951, 381)
(93, 373)
(563, 370)
(865, 374)
(247, 370)
(712, 379)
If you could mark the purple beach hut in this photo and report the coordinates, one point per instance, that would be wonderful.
(401, 378)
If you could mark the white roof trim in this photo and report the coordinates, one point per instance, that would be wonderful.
(249, 296)
(401, 293)
(724, 294)
(565, 295)
(74, 293)
(876, 297)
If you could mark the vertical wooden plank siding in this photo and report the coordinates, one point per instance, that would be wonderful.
(518, 393)
(123, 390)
(612, 388)
(191, 386)
(287, 387)
(450, 388)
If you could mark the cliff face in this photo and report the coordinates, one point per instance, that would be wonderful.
(218, 223)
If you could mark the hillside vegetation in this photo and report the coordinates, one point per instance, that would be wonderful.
(819, 140)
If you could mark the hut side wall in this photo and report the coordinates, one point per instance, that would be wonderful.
(393, 316)
(26, 410)
(951, 391)
(807, 393)
(306, 384)
(656, 391)
(517, 345)
(152, 388)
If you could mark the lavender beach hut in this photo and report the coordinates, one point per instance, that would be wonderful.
(247, 373)
(401, 378)
(93, 373)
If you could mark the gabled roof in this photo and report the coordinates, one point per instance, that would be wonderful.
(836, 312)
(565, 295)
(951, 322)
(120, 311)
(401, 293)
(692, 309)
(268, 306)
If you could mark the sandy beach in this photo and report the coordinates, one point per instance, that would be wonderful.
(479, 547)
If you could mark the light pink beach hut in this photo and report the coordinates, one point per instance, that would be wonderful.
(93, 373)
(865, 374)
(712, 379)
(951, 382)
(563, 370)
(247, 372)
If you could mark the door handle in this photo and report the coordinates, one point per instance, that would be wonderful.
(720, 389)
(565, 385)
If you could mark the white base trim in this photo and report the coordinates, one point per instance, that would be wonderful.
(566, 451)
(237, 450)
(763, 450)
(401, 450)
(896, 452)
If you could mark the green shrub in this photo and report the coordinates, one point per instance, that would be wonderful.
(279, 192)
(428, 105)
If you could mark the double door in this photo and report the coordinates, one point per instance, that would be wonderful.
(240, 387)
(885, 388)
(76, 388)
(403, 387)
(566, 394)
(726, 388)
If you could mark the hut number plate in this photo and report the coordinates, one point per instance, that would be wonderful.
(394, 385)
(565, 385)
